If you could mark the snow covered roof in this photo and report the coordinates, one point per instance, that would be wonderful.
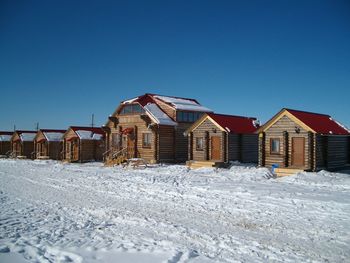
(183, 103)
(158, 115)
(53, 136)
(5, 137)
(88, 133)
(27, 137)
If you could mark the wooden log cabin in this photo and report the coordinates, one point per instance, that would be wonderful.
(295, 140)
(216, 139)
(48, 144)
(5, 143)
(22, 144)
(83, 144)
(151, 127)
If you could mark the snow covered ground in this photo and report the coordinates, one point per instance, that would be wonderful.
(54, 212)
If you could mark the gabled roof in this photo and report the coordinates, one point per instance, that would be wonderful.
(150, 103)
(229, 123)
(26, 136)
(88, 133)
(311, 121)
(52, 135)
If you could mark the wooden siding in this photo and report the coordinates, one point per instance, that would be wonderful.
(5, 147)
(277, 130)
(234, 147)
(249, 148)
(88, 150)
(140, 126)
(337, 151)
(166, 143)
(206, 131)
(181, 142)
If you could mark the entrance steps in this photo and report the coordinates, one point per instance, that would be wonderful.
(287, 171)
(201, 164)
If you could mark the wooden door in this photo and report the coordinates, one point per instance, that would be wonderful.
(298, 151)
(75, 150)
(131, 146)
(215, 147)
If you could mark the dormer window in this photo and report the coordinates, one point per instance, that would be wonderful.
(188, 116)
(132, 109)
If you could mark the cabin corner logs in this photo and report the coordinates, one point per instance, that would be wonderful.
(174, 130)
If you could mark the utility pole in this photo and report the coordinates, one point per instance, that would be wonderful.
(14, 127)
(37, 126)
(92, 120)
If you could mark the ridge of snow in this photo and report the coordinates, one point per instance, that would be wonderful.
(184, 104)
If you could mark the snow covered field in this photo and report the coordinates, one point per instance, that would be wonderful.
(54, 212)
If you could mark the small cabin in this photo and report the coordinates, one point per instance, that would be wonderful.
(295, 140)
(5, 143)
(48, 144)
(151, 127)
(22, 144)
(217, 139)
(83, 144)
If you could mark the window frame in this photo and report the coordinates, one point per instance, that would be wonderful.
(197, 144)
(279, 146)
(149, 144)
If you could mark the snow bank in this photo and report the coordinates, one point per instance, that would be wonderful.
(91, 213)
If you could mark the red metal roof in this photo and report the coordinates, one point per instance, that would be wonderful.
(21, 131)
(96, 130)
(235, 124)
(51, 130)
(320, 123)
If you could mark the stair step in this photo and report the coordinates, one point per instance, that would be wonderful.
(287, 171)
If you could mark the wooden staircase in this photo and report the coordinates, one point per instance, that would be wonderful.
(116, 158)
(201, 164)
(287, 171)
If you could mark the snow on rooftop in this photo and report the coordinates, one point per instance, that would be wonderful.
(5, 138)
(88, 135)
(158, 115)
(129, 101)
(184, 104)
(53, 136)
(27, 137)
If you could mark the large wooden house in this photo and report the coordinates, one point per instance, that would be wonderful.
(48, 144)
(22, 144)
(217, 139)
(83, 144)
(5, 143)
(151, 127)
(296, 140)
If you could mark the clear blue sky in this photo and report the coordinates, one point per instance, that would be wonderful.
(62, 60)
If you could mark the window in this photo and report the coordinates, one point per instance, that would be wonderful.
(188, 116)
(146, 140)
(199, 144)
(275, 146)
(132, 108)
